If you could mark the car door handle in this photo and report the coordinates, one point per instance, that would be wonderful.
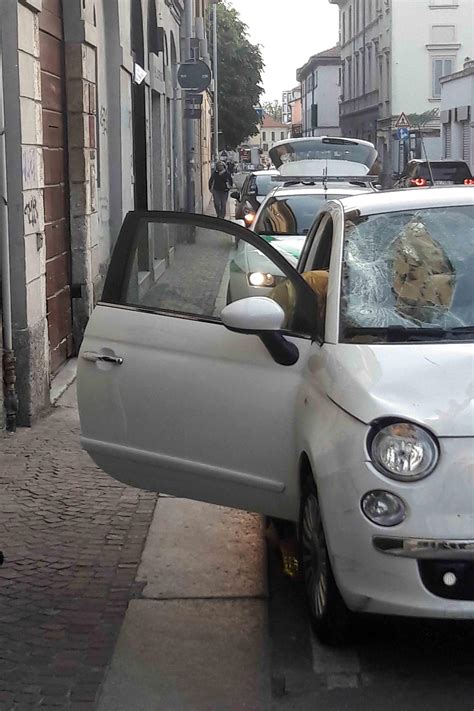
(94, 357)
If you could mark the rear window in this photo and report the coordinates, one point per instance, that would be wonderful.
(291, 215)
(326, 149)
(450, 172)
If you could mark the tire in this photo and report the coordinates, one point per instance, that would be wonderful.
(330, 617)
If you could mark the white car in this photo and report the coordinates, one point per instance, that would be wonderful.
(345, 402)
(283, 220)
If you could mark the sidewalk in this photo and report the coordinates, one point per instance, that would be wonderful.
(196, 640)
(72, 539)
(188, 607)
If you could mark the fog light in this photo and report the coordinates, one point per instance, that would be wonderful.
(449, 579)
(383, 508)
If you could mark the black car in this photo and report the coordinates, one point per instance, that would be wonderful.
(445, 172)
(255, 187)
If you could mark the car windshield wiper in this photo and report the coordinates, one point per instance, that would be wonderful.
(400, 334)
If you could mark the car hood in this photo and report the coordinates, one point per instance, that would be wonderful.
(432, 384)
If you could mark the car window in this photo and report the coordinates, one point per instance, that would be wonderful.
(290, 215)
(406, 271)
(326, 149)
(183, 268)
(264, 184)
(452, 172)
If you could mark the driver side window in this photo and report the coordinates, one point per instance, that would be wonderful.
(318, 276)
(189, 266)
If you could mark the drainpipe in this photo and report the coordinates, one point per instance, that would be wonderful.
(190, 136)
(9, 374)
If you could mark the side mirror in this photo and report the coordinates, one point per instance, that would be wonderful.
(235, 194)
(253, 314)
(265, 318)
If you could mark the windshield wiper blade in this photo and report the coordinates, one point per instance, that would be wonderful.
(400, 334)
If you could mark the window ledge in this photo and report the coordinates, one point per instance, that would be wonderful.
(443, 46)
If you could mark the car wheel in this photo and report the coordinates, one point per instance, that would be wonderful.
(330, 617)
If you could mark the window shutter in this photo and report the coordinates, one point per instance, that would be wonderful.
(314, 116)
(466, 141)
(447, 140)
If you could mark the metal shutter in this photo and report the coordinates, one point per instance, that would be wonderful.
(466, 141)
(447, 140)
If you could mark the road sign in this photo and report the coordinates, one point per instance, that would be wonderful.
(194, 76)
(403, 134)
(192, 105)
(402, 121)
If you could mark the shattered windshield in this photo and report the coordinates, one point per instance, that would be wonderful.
(409, 275)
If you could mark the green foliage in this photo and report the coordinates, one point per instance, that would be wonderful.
(239, 67)
(273, 109)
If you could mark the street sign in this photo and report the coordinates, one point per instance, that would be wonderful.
(403, 134)
(194, 76)
(192, 105)
(402, 121)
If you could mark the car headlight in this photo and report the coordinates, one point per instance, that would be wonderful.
(261, 279)
(404, 451)
(383, 508)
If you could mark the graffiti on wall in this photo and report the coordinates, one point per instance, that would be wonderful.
(31, 211)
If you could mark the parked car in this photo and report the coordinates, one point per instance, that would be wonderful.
(247, 200)
(342, 403)
(417, 173)
(284, 220)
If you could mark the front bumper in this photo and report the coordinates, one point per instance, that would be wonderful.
(401, 570)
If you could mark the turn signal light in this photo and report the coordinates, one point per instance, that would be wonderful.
(418, 182)
(249, 218)
(469, 181)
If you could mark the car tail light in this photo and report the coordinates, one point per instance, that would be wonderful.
(418, 182)
(469, 181)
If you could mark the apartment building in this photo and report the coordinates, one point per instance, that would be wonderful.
(394, 53)
(320, 81)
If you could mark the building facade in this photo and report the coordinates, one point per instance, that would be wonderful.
(94, 128)
(394, 53)
(285, 106)
(320, 90)
(296, 113)
(270, 131)
(457, 114)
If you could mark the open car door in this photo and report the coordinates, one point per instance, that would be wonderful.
(171, 400)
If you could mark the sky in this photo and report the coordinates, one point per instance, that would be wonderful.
(289, 32)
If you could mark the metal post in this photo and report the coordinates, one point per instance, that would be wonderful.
(214, 69)
(426, 154)
(9, 374)
(189, 125)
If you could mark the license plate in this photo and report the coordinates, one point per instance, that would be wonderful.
(443, 182)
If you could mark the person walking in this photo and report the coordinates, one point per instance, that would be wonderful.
(220, 183)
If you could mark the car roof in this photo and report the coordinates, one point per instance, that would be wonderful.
(397, 200)
(270, 171)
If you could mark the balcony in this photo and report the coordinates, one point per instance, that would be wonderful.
(360, 103)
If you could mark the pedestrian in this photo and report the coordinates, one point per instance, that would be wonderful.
(220, 183)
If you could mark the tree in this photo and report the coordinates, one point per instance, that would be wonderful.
(239, 67)
(273, 109)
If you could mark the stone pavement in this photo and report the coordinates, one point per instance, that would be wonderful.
(72, 539)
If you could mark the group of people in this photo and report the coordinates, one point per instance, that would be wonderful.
(220, 183)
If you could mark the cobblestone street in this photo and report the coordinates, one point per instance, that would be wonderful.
(72, 539)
